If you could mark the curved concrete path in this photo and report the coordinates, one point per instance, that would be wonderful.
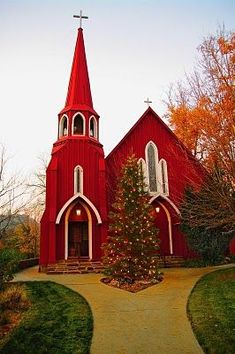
(152, 321)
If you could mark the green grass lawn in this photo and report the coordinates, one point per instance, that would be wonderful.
(211, 310)
(59, 321)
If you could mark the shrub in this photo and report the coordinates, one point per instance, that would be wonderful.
(9, 259)
(4, 318)
(13, 297)
(207, 220)
(210, 244)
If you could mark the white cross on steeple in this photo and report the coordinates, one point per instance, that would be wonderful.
(81, 17)
(148, 101)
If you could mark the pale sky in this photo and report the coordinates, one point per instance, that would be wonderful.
(135, 49)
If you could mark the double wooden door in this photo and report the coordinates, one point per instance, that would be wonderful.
(78, 240)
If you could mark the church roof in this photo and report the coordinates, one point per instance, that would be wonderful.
(79, 92)
(148, 111)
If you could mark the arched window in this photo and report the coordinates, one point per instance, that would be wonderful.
(78, 125)
(142, 165)
(63, 127)
(78, 180)
(164, 177)
(93, 128)
(152, 163)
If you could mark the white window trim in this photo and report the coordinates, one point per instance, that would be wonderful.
(62, 119)
(84, 123)
(75, 179)
(163, 165)
(156, 165)
(95, 127)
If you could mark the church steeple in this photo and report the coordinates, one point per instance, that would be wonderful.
(79, 92)
(74, 221)
(78, 118)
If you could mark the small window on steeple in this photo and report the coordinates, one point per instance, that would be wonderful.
(78, 125)
(93, 128)
(63, 127)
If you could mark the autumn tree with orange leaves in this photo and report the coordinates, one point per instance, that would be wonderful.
(201, 111)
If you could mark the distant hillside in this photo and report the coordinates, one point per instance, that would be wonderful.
(13, 220)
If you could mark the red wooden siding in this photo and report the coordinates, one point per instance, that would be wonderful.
(182, 169)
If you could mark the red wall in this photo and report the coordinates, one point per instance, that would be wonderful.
(67, 153)
(100, 174)
(182, 168)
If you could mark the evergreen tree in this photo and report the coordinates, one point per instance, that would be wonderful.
(208, 217)
(131, 250)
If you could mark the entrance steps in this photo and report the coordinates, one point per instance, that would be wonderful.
(171, 261)
(75, 266)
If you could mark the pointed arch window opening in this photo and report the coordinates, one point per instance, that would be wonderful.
(78, 127)
(143, 170)
(78, 180)
(93, 127)
(164, 177)
(152, 163)
(63, 127)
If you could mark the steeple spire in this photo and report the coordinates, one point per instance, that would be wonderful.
(79, 92)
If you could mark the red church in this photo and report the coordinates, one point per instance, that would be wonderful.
(81, 181)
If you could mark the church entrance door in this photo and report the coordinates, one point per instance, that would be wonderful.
(78, 240)
(164, 225)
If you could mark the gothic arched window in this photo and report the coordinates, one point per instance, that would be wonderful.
(152, 163)
(78, 180)
(78, 125)
(63, 127)
(164, 177)
(142, 165)
(93, 128)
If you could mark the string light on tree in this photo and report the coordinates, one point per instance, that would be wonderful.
(132, 227)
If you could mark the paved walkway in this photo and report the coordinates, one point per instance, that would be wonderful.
(152, 321)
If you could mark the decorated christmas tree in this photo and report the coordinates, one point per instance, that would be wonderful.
(131, 250)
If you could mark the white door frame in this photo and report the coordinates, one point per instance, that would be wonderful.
(66, 233)
(168, 215)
